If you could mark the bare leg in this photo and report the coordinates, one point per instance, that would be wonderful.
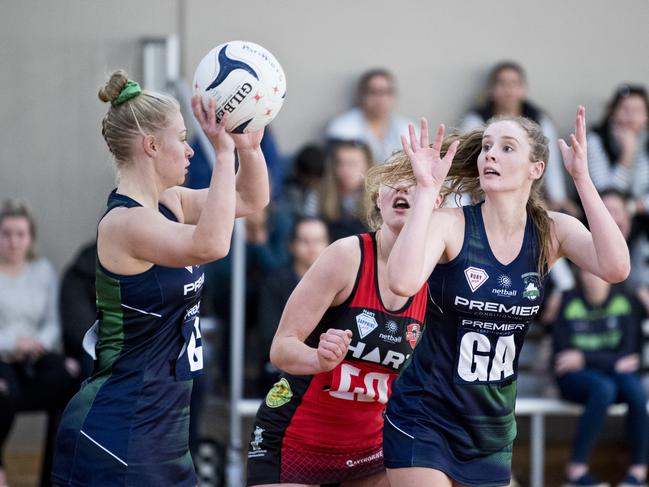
(377, 480)
(285, 485)
(419, 477)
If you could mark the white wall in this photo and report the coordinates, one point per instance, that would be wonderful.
(55, 54)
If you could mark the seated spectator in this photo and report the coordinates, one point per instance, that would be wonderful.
(373, 120)
(267, 249)
(301, 189)
(618, 150)
(341, 199)
(507, 96)
(596, 361)
(33, 375)
(78, 305)
(308, 239)
(638, 282)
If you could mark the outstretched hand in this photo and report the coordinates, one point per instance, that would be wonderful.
(575, 157)
(429, 168)
(215, 131)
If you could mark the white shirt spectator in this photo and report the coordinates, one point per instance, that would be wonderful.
(352, 125)
(29, 307)
(605, 173)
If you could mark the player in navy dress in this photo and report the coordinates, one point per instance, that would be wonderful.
(342, 340)
(129, 423)
(450, 420)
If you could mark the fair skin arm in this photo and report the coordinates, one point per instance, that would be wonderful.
(602, 250)
(252, 188)
(143, 234)
(420, 244)
(327, 283)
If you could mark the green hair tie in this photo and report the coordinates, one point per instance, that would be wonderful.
(131, 90)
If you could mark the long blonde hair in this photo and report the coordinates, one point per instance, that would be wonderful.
(463, 178)
(396, 169)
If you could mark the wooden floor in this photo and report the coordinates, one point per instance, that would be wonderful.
(609, 464)
(22, 454)
(23, 468)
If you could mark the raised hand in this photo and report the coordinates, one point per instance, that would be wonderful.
(575, 157)
(332, 348)
(249, 141)
(429, 168)
(220, 139)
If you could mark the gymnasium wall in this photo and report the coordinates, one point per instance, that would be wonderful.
(55, 55)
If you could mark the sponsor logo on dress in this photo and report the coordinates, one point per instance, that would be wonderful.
(257, 451)
(279, 394)
(392, 332)
(362, 461)
(366, 323)
(413, 332)
(505, 283)
(531, 285)
(194, 286)
(475, 277)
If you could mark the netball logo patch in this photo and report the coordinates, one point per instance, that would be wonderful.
(475, 277)
(531, 285)
(413, 333)
(279, 394)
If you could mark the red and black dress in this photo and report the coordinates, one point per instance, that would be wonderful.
(327, 428)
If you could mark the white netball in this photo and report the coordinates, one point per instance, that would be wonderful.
(245, 80)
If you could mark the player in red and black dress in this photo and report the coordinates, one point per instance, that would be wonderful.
(342, 340)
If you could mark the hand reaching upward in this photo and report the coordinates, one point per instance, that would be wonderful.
(215, 131)
(575, 157)
(429, 168)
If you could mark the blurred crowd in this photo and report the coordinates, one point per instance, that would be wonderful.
(598, 350)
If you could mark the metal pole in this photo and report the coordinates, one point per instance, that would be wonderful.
(536, 451)
(234, 469)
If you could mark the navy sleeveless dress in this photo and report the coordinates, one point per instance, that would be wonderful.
(452, 409)
(129, 423)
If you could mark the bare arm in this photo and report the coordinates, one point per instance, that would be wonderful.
(252, 187)
(327, 283)
(420, 244)
(144, 235)
(602, 250)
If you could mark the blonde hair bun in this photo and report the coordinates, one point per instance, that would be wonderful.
(111, 90)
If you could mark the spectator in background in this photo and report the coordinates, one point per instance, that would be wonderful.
(78, 305)
(507, 96)
(301, 189)
(309, 238)
(267, 249)
(596, 344)
(33, 375)
(618, 150)
(341, 199)
(638, 282)
(200, 169)
(373, 120)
